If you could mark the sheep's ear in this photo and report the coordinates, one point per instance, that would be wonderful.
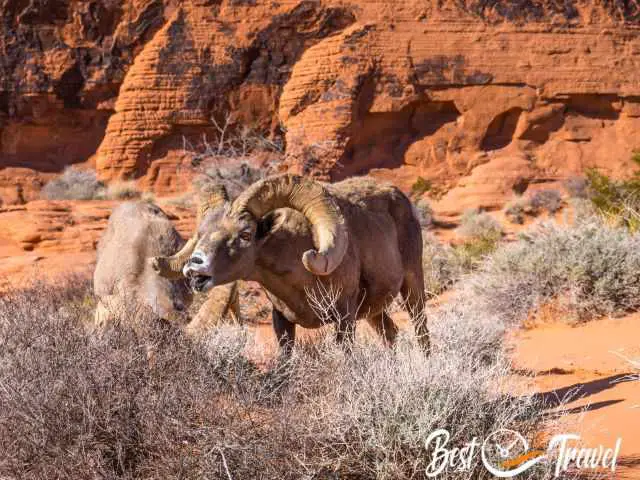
(266, 225)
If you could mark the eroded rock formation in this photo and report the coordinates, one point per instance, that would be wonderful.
(456, 91)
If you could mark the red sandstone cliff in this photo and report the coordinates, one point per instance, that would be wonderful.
(479, 97)
(432, 88)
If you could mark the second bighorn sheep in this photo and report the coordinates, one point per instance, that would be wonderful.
(356, 241)
(125, 281)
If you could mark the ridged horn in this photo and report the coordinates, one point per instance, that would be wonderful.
(210, 196)
(330, 236)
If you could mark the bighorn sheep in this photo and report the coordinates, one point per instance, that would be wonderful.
(124, 278)
(294, 236)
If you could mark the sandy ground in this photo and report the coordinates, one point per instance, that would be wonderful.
(585, 368)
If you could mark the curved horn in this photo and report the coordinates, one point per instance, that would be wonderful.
(211, 196)
(330, 234)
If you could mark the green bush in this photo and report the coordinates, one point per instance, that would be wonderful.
(617, 201)
(420, 187)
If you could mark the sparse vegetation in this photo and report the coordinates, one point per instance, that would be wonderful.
(592, 269)
(617, 201)
(234, 156)
(577, 187)
(482, 234)
(441, 264)
(145, 402)
(76, 184)
(73, 184)
(479, 225)
(425, 212)
(516, 210)
(234, 175)
(548, 200)
(231, 141)
(420, 187)
(122, 190)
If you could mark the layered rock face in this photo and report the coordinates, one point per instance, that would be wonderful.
(480, 98)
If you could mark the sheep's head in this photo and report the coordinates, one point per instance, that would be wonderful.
(213, 201)
(226, 247)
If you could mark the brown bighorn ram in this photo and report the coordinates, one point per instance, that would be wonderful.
(296, 237)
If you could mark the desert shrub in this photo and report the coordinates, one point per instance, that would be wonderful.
(184, 200)
(424, 212)
(593, 268)
(477, 224)
(229, 140)
(548, 200)
(122, 190)
(233, 155)
(233, 174)
(516, 210)
(420, 186)
(73, 184)
(582, 210)
(370, 411)
(482, 234)
(139, 402)
(142, 401)
(441, 265)
(617, 201)
(577, 187)
(542, 200)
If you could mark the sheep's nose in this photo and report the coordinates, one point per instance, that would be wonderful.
(197, 258)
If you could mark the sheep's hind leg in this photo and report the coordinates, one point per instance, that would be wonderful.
(412, 292)
(385, 327)
(285, 331)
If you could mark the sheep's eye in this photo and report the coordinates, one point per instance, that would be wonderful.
(245, 236)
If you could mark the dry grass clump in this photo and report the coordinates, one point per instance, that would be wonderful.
(481, 233)
(593, 267)
(441, 264)
(577, 187)
(142, 401)
(424, 212)
(73, 184)
(477, 225)
(76, 184)
(122, 190)
(548, 200)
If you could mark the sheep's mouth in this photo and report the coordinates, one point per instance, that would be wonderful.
(201, 283)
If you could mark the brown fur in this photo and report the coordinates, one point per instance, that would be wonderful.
(124, 278)
(384, 258)
(136, 231)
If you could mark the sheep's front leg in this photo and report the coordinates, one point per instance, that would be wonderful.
(285, 331)
(346, 330)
